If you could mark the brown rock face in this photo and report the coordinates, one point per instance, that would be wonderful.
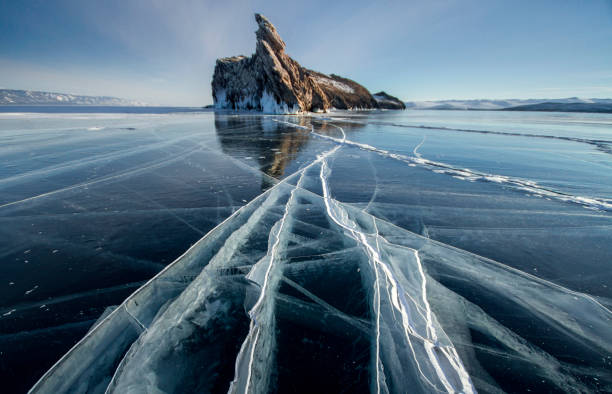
(271, 81)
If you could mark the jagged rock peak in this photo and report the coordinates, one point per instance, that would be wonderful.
(271, 81)
(267, 32)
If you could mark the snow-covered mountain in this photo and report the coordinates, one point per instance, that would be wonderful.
(485, 104)
(599, 107)
(29, 97)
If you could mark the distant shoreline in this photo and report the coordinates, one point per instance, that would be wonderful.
(67, 108)
(516, 109)
(117, 109)
(605, 108)
(572, 104)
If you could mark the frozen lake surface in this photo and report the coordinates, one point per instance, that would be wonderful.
(440, 251)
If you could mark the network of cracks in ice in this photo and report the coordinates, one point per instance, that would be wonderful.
(298, 292)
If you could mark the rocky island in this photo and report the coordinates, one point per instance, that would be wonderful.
(271, 81)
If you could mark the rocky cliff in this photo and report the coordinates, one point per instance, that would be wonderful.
(387, 101)
(272, 82)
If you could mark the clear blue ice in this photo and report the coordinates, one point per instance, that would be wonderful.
(440, 251)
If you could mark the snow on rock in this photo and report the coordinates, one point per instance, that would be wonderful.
(270, 105)
(334, 83)
(387, 101)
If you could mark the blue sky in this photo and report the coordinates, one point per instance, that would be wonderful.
(163, 52)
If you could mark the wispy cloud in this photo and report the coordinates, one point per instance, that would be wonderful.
(76, 80)
(164, 52)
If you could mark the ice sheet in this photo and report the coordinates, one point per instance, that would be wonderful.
(326, 283)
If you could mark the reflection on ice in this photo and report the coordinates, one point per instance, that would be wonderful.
(298, 291)
(273, 145)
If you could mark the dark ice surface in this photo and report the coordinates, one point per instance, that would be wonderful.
(389, 251)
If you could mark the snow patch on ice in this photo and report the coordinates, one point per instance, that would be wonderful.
(9, 312)
(31, 290)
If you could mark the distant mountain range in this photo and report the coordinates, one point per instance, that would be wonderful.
(29, 97)
(572, 104)
(600, 107)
